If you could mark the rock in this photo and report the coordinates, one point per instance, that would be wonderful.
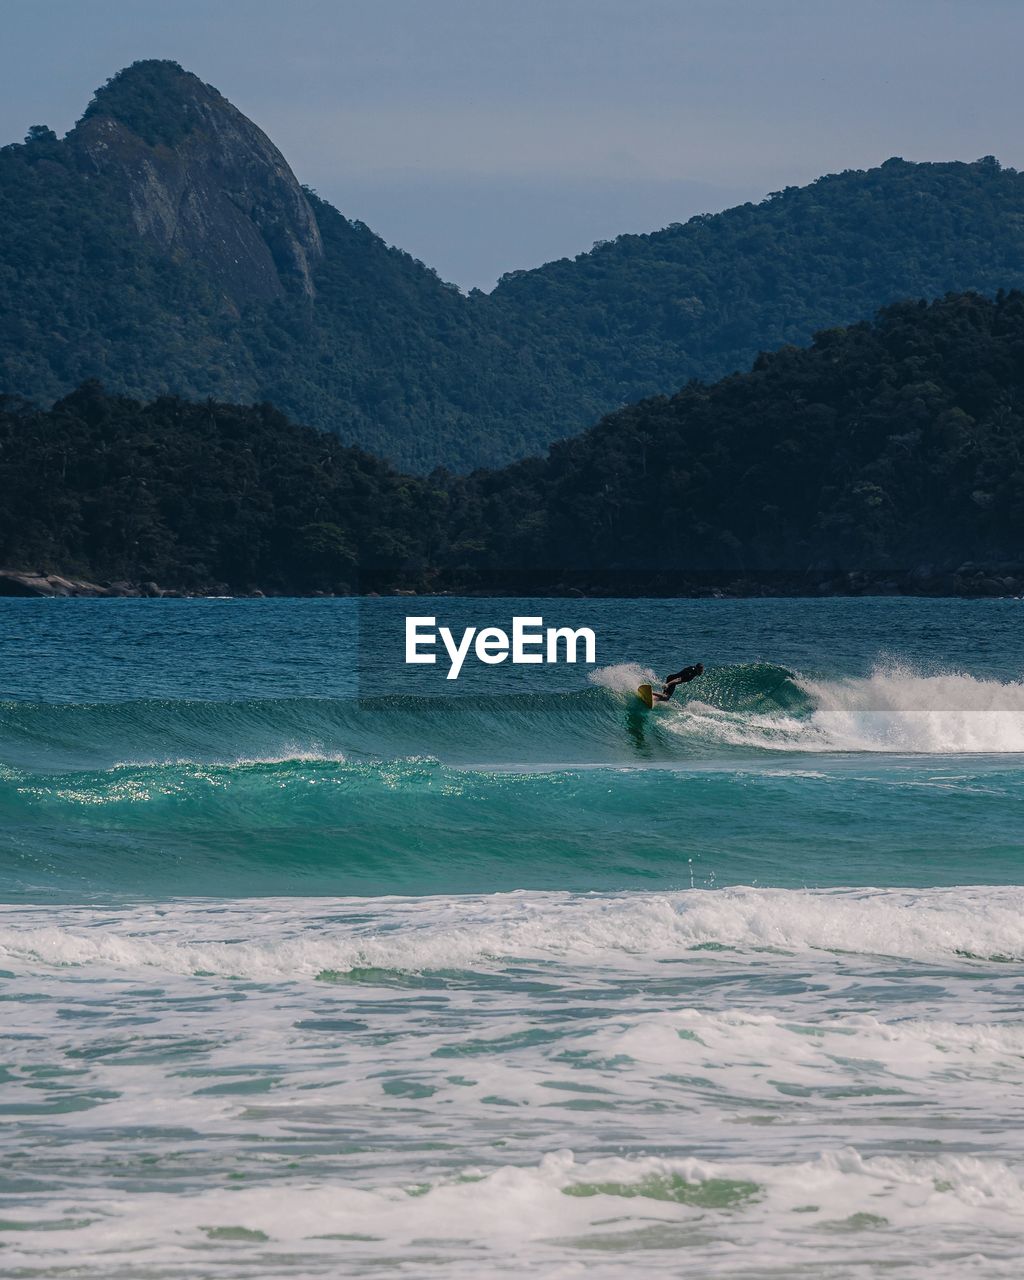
(201, 181)
(13, 583)
(150, 589)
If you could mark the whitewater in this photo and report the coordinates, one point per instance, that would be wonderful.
(310, 968)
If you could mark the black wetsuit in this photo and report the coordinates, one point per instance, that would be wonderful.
(680, 677)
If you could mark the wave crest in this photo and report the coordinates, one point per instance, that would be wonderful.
(308, 939)
(747, 707)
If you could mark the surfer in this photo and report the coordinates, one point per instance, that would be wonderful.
(680, 677)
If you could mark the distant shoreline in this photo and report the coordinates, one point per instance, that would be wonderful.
(975, 583)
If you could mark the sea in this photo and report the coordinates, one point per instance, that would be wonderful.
(314, 963)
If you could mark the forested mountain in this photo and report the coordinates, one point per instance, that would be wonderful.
(894, 447)
(893, 451)
(164, 246)
(646, 313)
(201, 495)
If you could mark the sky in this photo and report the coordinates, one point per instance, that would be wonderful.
(485, 136)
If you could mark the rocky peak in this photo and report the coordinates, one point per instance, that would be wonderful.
(202, 180)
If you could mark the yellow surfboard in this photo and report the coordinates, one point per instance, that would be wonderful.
(646, 695)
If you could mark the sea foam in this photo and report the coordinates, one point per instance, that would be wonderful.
(894, 709)
(480, 932)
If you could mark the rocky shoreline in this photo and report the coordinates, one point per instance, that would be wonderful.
(967, 582)
(14, 582)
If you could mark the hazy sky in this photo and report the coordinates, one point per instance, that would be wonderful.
(486, 135)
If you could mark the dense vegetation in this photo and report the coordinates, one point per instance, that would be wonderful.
(201, 495)
(148, 98)
(645, 313)
(388, 356)
(893, 448)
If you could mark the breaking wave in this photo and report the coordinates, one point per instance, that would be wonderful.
(308, 939)
(757, 707)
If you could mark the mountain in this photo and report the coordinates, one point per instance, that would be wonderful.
(893, 448)
(165, 247)
(887, 455)
(203, 185)
(645, 313)
(196, 495)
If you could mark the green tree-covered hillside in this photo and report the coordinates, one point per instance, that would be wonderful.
(164, 247)
(893, 449)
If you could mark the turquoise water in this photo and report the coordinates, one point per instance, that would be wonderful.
(314, 963)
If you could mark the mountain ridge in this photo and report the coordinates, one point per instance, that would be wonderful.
(165, 247)
(886, 456)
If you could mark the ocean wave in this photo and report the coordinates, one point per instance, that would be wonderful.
(892, 710)
(886, 778)
(606, 1210)
(735, 709)
(308, 940)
